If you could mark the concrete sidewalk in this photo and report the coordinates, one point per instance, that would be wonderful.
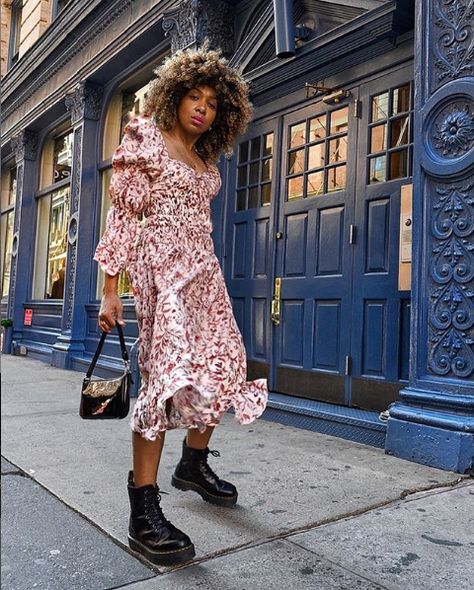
(314, 511)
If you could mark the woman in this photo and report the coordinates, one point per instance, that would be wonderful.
(191, 353)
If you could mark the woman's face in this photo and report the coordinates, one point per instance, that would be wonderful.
(197, 110)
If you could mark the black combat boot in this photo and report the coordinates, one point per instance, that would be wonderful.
(149, 532)
(193, 473)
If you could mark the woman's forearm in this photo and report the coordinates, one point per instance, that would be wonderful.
(110, 284)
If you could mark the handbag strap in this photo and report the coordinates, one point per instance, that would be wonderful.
(123, 350)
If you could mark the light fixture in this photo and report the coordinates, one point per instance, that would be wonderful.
(331, 95)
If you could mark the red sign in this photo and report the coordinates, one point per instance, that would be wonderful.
(28, 317)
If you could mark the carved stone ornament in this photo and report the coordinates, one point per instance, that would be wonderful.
(453, 131)
(85, 102)
(25, 146)
(454, 46)
(194, 21)
(452, 275)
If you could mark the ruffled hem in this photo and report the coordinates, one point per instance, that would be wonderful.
(248, 405)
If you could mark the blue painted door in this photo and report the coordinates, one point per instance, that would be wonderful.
(311, 256)
(249, 247)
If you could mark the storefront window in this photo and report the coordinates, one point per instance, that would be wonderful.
(57, 244)
(53, 218)
(123, 108)
(8, 215)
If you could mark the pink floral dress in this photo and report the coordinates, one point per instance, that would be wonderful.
(191, 354)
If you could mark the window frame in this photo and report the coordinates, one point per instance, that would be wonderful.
(16, 14)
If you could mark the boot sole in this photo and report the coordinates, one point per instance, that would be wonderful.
(165, 557)
(185, 486)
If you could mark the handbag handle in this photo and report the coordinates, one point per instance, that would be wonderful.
(123, 349)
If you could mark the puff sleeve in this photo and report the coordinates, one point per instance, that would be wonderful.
(128, 190)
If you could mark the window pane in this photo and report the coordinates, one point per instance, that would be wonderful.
(255, 148)
(377, 169)
(316, 155)
(57, 246)
(296, 162)
(243, 152)
(266, 194)
(295, 188)
(267, 169)
(242, 176)
(253, 197)
(398, 164)
(317, 128)
(401, 99)
(338, 149)
(297, 135)
(62, 159)
(399, 134)
(133, 104)
(241, 200)
(336, 178)
(378, 138)
(254, 171)
(7, 253)
(380, 107)
(12, 187)
(315, 184)
(268, 144)
(339, 120)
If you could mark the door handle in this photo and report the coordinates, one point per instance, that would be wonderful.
(276, 303)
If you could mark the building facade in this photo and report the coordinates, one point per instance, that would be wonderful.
(345, 224)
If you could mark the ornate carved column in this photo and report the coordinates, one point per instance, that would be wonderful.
(195, 20)
(434, 421)
(25, 146)
(85, 105)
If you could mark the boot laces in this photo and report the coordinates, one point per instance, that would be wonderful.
(206, 465)
(153, 509)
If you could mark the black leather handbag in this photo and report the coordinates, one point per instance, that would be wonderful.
(102, 399)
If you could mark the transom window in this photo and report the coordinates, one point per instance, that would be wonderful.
(317, 155)
(390, 144)
(254, 172)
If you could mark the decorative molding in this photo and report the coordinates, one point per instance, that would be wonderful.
(194, 21)
(451, 308)
(79, 41)
(73, 226)
(454, 45)
(85, 102)
(25, 146)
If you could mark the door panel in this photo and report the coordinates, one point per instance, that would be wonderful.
(311, 254)
(312, 258)
(381, 312)
(248, 243)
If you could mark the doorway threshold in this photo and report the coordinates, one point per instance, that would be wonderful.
(362, 426)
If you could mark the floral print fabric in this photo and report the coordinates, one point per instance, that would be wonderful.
(191, 353)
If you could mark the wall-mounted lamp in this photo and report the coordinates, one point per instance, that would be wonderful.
(331, 95)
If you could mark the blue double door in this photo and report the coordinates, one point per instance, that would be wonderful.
(311, 253)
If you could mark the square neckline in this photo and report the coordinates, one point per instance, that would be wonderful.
(167, 154)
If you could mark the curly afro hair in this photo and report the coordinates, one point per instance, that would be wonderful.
(187, 69)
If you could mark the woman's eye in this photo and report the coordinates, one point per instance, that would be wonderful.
(212, 105)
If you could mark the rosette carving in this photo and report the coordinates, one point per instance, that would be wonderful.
(454, 130)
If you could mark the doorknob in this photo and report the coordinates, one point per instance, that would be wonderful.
(276, 302)
(278, 235)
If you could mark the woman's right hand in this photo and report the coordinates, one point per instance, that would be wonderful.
(111, 311)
